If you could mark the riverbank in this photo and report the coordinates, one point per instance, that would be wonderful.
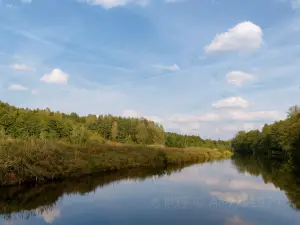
(19, 198)
(40, 161)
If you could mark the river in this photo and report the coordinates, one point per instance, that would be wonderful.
(213, 193)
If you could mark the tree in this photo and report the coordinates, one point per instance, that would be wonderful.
(293, 111)
(114, 130)
(142, 133)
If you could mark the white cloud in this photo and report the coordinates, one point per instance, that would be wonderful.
(231, 102)
(231, 197)
(17, 87)
(155, 119)
(210, 117)
(238, 78)
(26, 1)
(259, 115)
(56, 76)
(9, 6)
(135, 114)
(172, 68)
(21, 67)
(115, 3)
(245, 36)
(130, 113)
(244, 126)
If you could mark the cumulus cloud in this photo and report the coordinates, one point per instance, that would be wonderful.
(231, 197)
(192, 118)
(21, 67)
(231, 102)
(259, 115)
(56, 76)
(172, 68)
(245, 36)
(17, 87)
(238, 78)
(115, 3)
(130, 113)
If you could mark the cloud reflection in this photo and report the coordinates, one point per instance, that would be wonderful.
(231, 197)
(236, 220)
(50, 215)
(249, 184)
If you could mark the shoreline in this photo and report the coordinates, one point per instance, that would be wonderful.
(42, 161)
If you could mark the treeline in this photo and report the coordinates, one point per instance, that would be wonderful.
(20, 123)
(186, 141)
(45, 124)
(279, 139)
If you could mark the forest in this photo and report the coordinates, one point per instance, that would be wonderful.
(273, 153)
(20, 123)
(40, 145)
(280, 139)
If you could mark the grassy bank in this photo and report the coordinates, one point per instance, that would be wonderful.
(43, 160)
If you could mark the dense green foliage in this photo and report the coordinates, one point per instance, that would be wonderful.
(19, 123)
(186, 141)
(281, 138)
(44, 124)
(273, 153)
(40, 145)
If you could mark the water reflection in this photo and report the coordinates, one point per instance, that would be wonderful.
(237, 192)
(284, 175)
(30, 200)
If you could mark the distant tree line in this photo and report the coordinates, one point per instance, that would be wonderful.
(23, 123)
(280, 138)
(186, 141)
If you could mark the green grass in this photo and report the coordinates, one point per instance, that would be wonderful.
(43, 160)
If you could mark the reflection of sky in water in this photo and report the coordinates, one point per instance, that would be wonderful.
(210, 194)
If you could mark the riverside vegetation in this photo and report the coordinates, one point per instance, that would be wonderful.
(41, 145)
(273, 153)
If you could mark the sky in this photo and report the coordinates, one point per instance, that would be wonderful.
(204, 67)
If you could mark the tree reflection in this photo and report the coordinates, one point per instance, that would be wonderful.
(284, 174)
(23, 202)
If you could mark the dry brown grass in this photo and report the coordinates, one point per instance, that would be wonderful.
(40, 161)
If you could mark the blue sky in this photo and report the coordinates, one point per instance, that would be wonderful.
(208, 67)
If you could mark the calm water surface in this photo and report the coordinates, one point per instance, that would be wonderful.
(211, 194)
